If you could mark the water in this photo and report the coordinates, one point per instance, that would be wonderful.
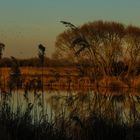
(119, 106)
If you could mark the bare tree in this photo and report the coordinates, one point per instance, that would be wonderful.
(100, 43)
(132, 47)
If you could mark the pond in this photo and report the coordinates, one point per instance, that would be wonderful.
(118, 106)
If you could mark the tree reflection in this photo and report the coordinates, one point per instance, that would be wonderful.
(118, 107)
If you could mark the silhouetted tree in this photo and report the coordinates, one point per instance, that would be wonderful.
(41, 54)
(2, 46)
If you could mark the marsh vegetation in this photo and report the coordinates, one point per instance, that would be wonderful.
(88, 90)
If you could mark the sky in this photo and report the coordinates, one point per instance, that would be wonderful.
(24, 24)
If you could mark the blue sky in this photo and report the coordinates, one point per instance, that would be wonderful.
(26, 23)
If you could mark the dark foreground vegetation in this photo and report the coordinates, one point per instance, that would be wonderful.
(16, 126)
(103, 122)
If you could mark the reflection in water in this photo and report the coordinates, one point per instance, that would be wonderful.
(119, 107)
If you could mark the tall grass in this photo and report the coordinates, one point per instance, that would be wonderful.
(79, 116)
(21, 123)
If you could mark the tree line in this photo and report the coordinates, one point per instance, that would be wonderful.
(35, 62)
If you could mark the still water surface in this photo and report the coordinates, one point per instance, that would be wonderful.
(119, 106)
